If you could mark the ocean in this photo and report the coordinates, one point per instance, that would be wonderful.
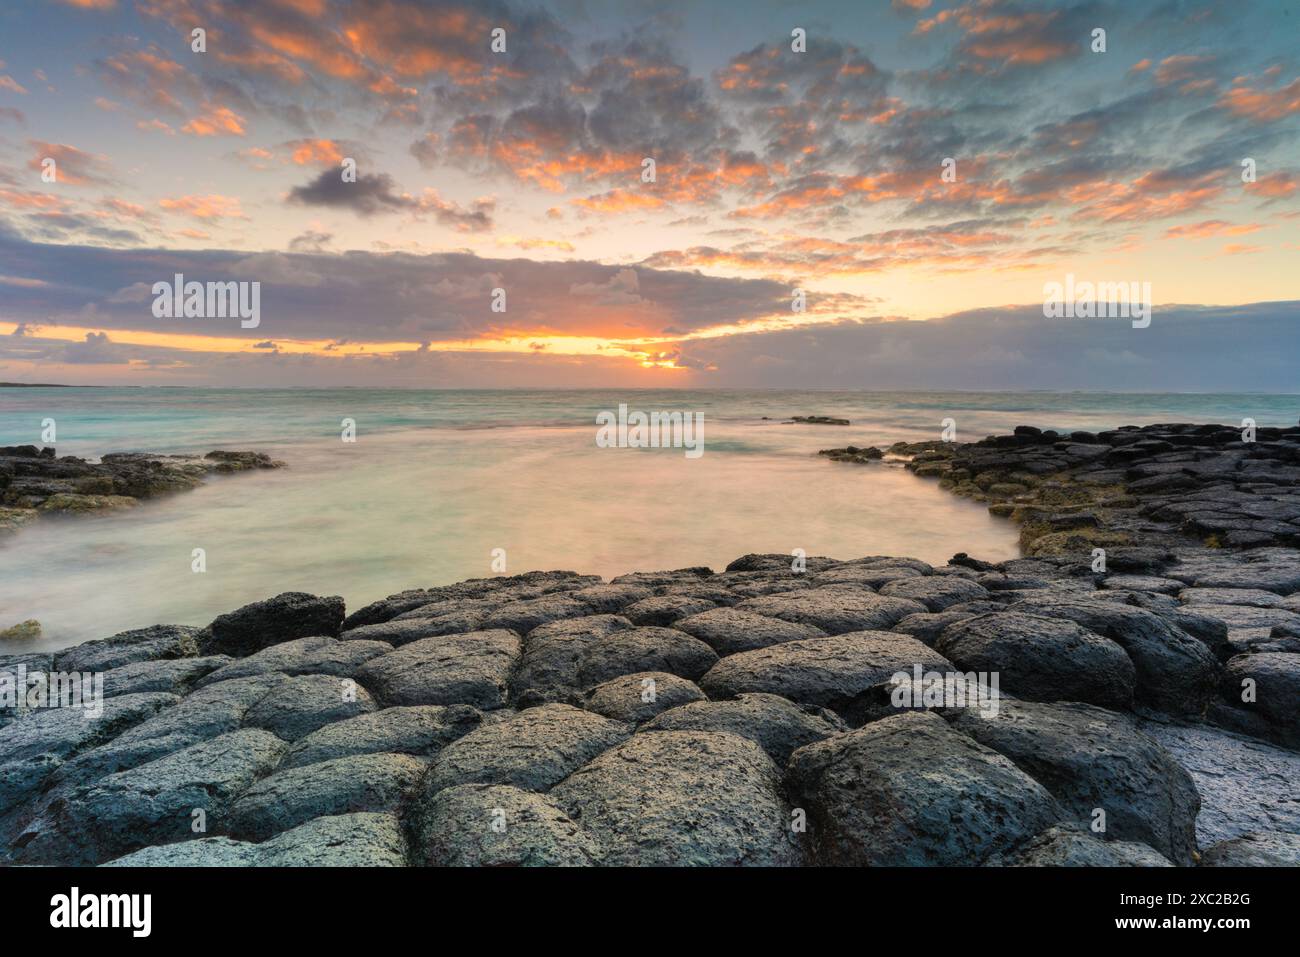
(436, 481)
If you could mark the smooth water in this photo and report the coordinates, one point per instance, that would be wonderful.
(437, 480)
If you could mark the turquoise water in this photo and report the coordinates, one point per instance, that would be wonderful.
(437, 480)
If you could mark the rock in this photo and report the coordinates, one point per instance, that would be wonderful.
(283, 618)
(853, 454)
(1163, 586)
(523, 616)
(199, 716)
(405, 631)
(304, 703)
(128, 647)
(360, 782)
(471, 669)
(1042, 659)
(532, 750)
(831, 672)
(70, 502)
(35, 746)
(776, 725)
(644, 649)
(1247, 624)
(455, 828)
(174, 676)
(1276, 684)
(155, 802)
(926, 627)
(422, 730)
(682, 798)
(1270, 569)
(548, 665)
(23, 631)
(729, 630)
(344, 840)
(1089, 758)
(869, 576)
(936, 593)
(1259, 849)
(665, 609)
(835, 609)
(1073, 847)
(1175, 672)
(818, 420)
(609, 599)
(1256, 597)
(303, 656)
(639, 697)
(865, 807)
(1245, 784)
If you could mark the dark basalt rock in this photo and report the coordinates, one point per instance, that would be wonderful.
(1094, 759)
(282, 618)
(1258, 849)
(729, 630)
(1043, 659)
(865, 809)
(1066, 846)
(778, 726)
(639, 697)
(683, 798)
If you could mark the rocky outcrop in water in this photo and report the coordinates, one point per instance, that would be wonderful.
(35, 482)
(1147, 715)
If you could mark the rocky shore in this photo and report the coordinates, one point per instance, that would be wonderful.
(35, 481)
(1148, 710)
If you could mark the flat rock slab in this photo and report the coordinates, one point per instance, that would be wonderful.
(523, 616)
(776, 725)
(1042, 659)
(471, 669)
(345, 840)
(633, 650)
(1070, 847)
(730, 630)
(304, 703)
(682, 798)
(1260, 849)
(835, 609)
(1271, 569)
(362, 782)
(830, 672)
(1256, 597)
(532, 750)
(421, 730)
(1245, 785)
(1090, 759)
(303, 656)
(639, 697)
(867, 806)
(482, 825)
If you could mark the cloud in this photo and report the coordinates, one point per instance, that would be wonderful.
(72, 166)
(371, 193)
(208, 208)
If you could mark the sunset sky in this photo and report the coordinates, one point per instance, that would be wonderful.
(776, 170)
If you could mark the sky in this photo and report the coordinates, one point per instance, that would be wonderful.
(844, 195)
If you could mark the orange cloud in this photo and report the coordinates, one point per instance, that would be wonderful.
(1209, 228)
(1262, 106)
(211, 207)
(215, 121)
